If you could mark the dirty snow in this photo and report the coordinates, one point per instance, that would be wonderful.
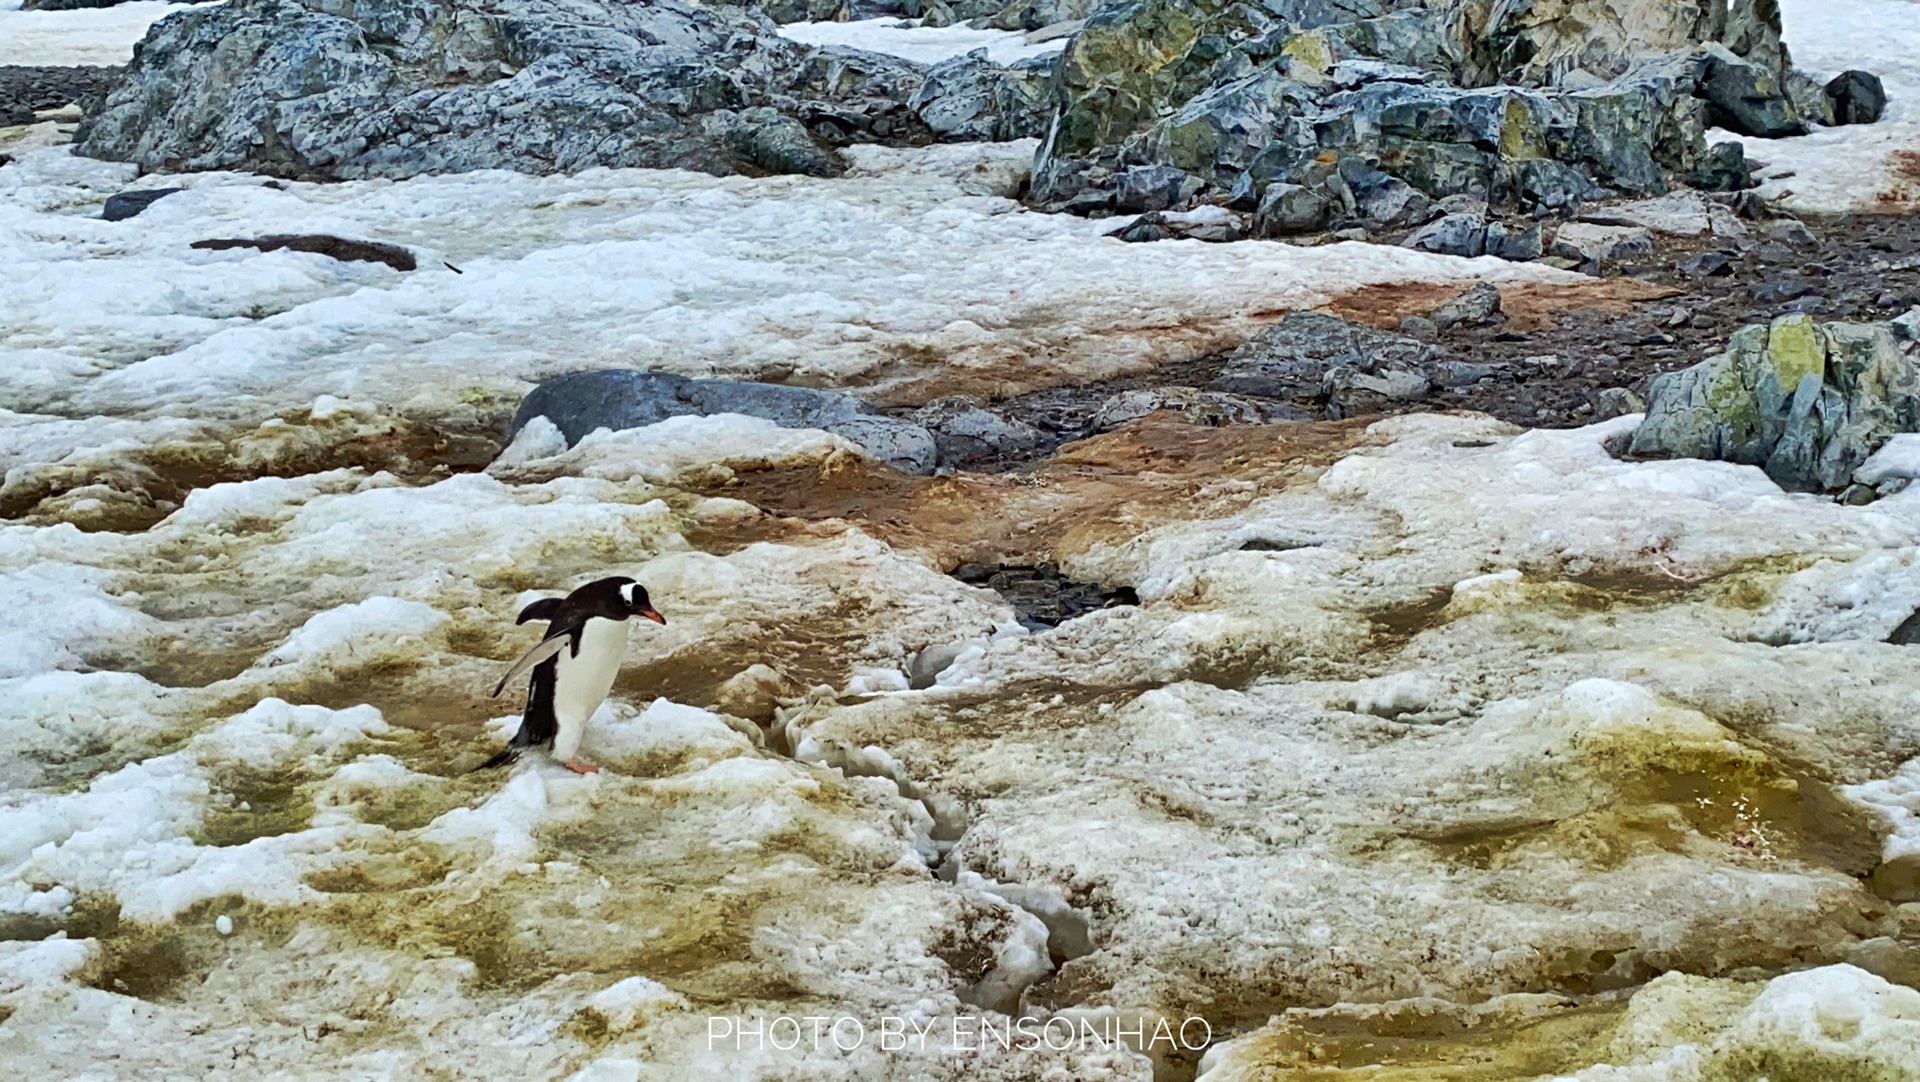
(92, 36)
(1851, 167)
(925, 44)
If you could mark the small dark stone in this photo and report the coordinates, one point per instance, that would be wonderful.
(1706, 265)
(128, 204)
(1771, 293)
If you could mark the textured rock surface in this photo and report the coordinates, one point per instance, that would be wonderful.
(971, 98)
(620, 399)
(392, 88)
(1808, 402)
(1540, 105)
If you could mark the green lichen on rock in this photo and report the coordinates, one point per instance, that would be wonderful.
(1807, 402)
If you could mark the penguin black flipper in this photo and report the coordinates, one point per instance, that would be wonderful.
(547, 608)
(549, 648)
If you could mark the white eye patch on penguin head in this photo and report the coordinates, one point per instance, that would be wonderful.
(635, 595)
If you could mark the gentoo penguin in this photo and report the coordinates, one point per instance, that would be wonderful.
(574, 665)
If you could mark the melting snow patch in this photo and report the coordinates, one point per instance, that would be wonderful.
(925, 44)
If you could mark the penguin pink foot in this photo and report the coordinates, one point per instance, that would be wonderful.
(581, 766)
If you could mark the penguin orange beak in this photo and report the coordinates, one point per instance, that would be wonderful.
(652, 615)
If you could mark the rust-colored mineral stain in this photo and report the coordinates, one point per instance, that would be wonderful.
(1110, 486)
(1528, 306)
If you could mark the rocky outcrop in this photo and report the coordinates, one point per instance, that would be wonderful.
(363, 88)
(1807, 402)
(970, 98)
(624, 398)
(1365, 111)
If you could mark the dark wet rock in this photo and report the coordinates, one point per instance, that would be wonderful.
(1806, 401)
(1746, 97)
(1856, 97)
(625, 398)
(971, 98)
(26, 90)
(966, 432)
(1518, 243)
(1462, 234)
(392, 88)
(124, 205)
(1475, 306)
(363, 251)
(1041, 596)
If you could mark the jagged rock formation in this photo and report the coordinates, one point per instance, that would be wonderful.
(1365, 111)
(331, 89)
(1806, 401)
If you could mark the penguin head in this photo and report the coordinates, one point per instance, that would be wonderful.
(614, 598)
(633, 597)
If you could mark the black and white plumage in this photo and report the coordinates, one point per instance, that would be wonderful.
(573, 666)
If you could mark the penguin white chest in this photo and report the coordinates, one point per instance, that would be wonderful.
(582, 681)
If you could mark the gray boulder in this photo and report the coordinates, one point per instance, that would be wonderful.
(1746, 97)
(969, 98)
(1293, 357)
(624, 398)
(1153, 187)
(966, 431)
(1290, 209)
(1476, 305)
(1600, 245)
(1462, 234)
(1805, 401)
(1617, 402)
(1518, 243)
(323, 89)
(1192, 405)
